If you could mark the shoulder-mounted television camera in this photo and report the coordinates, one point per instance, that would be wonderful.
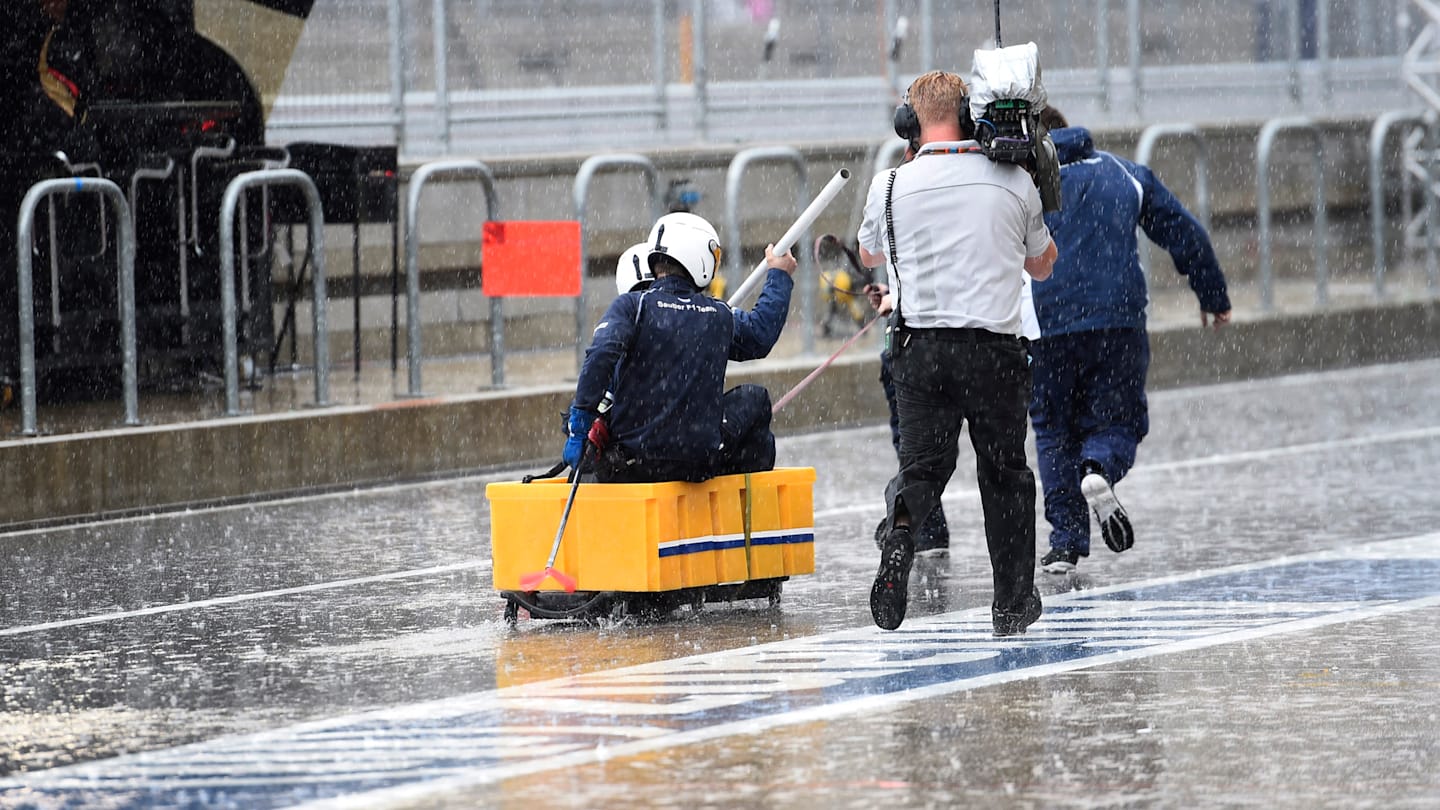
(1006, 97)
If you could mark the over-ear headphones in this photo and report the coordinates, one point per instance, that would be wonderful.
(907, 123)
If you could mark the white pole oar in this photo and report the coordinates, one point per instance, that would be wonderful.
(806, 219)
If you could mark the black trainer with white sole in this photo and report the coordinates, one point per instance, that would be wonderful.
(1114, 522)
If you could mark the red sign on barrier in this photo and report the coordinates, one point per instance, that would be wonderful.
(530, 259)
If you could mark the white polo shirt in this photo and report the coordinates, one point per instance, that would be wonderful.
(964, 225)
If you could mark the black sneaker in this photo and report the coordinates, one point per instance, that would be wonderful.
(934, 536)
(1114, 522)
(1013, 624)
(890, 592)
(1059, 561)
(928, 545)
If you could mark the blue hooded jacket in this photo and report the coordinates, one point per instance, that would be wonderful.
(663, 353)
(1098, 282)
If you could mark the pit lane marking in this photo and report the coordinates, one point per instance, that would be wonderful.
(416, 752)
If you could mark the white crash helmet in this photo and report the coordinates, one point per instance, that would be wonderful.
(689, 240)
(633, 269)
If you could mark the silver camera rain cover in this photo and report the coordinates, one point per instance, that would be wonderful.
(1006, 73)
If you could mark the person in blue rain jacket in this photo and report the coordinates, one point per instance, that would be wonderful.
(661, 354)
(1088, 406)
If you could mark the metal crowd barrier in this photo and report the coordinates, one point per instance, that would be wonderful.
(1269, 134)
(450, 168)
(742, 161)
(1145, 150)
(25, 232)
(1378, 133)
(316, 235)
(269, 158)
(1432, 209)
(591, 167)
(188, 222)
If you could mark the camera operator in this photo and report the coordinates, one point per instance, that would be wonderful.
(956, 227)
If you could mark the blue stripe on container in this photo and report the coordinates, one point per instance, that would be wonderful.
(739, 542)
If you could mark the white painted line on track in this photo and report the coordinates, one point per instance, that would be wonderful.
(1248, 456)
(246, 597)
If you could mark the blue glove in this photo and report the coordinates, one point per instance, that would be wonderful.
(577, 428)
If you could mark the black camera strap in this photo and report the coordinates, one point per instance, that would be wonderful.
(897, 322)
(890, 219)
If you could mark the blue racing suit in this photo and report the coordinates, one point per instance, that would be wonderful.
(662, 352)
(1089, 366)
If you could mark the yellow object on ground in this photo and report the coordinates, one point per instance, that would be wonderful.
(656, 537)
(844, 298)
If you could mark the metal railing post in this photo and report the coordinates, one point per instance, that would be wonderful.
(148, 173)
(203, 153)
(892, 66)
(927, 35)
(228, 206)
(592, 166)
(700, 77)
(733, 177)
(1145, 150)
(395, 17)
(1292, 27)
(182, 254)
(439, 25)
(25, 279)
(1378, 133)
(452, 168)
(1268, 135)
(1132, 24)
(1432, 209)
(658, 60)
(1322, 46)
(1102, 53)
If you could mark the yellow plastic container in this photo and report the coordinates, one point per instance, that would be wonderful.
(656, 537)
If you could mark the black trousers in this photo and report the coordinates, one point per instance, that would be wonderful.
(945, 378)
(934, 529)
(748, 446)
